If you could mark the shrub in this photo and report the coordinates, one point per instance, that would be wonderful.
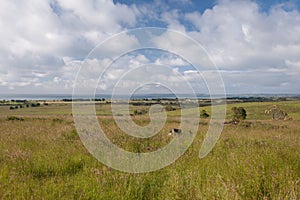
(14, 118)
(277, 113)
(35, 105)
(203, 114)
(139, 112)
(239, 113)
(57, 120)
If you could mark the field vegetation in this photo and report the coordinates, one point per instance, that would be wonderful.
(42, 157)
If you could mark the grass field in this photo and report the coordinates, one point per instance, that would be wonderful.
(42, 157)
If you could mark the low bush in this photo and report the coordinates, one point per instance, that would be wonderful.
(239, 113)
(203, 114)
(35, 105)
(14, 118)
(57, 120)
(139, 112)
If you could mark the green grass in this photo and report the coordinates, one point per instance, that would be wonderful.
(42, 157)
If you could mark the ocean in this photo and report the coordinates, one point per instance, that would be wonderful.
(135, 96)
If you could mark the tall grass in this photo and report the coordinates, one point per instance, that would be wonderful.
(42, 157)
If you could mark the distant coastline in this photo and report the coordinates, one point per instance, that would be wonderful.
(137, 96)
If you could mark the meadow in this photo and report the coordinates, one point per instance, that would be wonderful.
(42, 157)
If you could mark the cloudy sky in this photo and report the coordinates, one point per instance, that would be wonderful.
(254, 44)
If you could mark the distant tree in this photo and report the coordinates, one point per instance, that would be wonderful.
(239, 113)
(203, 114)
(35, 105)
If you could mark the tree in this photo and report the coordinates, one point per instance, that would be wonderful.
(239, 113)
(203, 114)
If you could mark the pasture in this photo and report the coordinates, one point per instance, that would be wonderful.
(42, 157)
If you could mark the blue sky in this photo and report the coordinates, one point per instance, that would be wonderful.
(188, 6)
(255, 44)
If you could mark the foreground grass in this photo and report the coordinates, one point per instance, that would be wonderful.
(43, 158)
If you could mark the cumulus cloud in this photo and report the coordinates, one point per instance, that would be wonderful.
(239, 36)
(171, 61)
(260, 45)
(37, 37)
(44, 43)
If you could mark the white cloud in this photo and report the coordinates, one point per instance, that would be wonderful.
(172, 19)
(43, 43)
(171, 61)
(238, 35)
(185, 47)
(37, 36)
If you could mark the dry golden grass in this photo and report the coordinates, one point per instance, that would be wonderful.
(42, 157)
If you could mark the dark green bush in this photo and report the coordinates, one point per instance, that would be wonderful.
(239, 113)
(203, 114)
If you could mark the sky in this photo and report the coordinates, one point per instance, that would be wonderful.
(254, 45)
